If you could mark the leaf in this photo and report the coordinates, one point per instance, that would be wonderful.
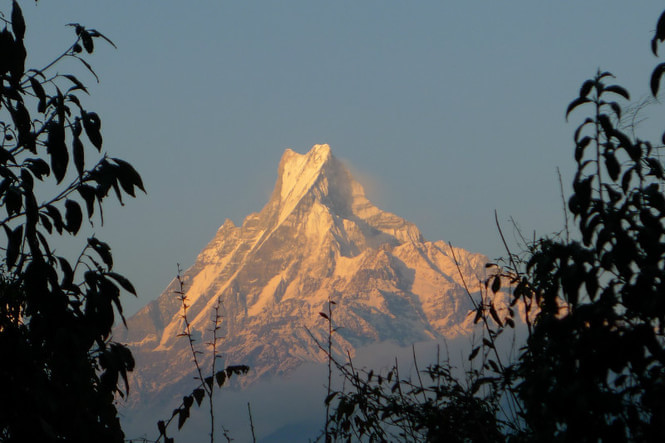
(494, 315)
(73, 216)
(77, 83)
(329, 398)
(46, 222)
(618, 90)
(586, 88)
(580, 146)
(474, 352)
(18, 23)
(39, 92)
(95, 33)
(89, 194)
(496, 284)
(103, 250)
(128, 177)
(198, 394)
(612, 166)
(92, 125)
(221, 378)
(13, 200)
(575, 103)
(87, 41)
(183, 415)
(27, 182)
(55, 215)
(122, 281)
(14, 240)
(38, 167)
(79, 159)
(655, 78)
(479, 315)
(161, 427)
(209, 381)
(625, 180)
(660, 34)
(324, 315)
(67, 273)
(56, 148)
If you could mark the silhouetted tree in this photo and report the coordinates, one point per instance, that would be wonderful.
(59, 371)
(593, 366)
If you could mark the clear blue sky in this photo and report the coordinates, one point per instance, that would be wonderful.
(447, 110)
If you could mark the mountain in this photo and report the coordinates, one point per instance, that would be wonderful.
(317, 239)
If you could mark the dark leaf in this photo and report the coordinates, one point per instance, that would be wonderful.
(474, 352)
(618, 90)
(55, 215)
(128, 177)
(77, 83)
(89, 194)
(479, 315)
(26, 180)
(655, 78)
(73, 216)
(575, 103)
(606, 124)
(494, 315)
(586, 88)
(122, 281)
(95, 33)
(87, 41)
(625, 180)
(103, 249)
(39, 92)
(660, 33)
(496, 284)
(221, 378)
(18, 24)
(13, 200)
(612, 166)
(43, 218)
(14, 241)
(183, 415)
(38, 167)
(329, 398)
(67, 273)
(57, 149)
(92, 125)
(324, 315)
(198, 394)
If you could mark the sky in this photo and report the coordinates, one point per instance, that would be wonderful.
(445, 110)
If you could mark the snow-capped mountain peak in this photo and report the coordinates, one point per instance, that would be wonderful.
(317, 238)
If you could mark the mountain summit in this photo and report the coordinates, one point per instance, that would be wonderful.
(317, 239)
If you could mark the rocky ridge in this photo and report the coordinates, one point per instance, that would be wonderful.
(317, 238)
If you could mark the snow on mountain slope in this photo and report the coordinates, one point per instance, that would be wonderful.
(317, 238)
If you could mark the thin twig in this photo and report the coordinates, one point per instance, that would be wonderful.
(251, 422)
(565, 207)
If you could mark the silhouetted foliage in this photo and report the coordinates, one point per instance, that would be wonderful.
(593, 366)
(596, 371)
(206, 384)
(59, 371)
